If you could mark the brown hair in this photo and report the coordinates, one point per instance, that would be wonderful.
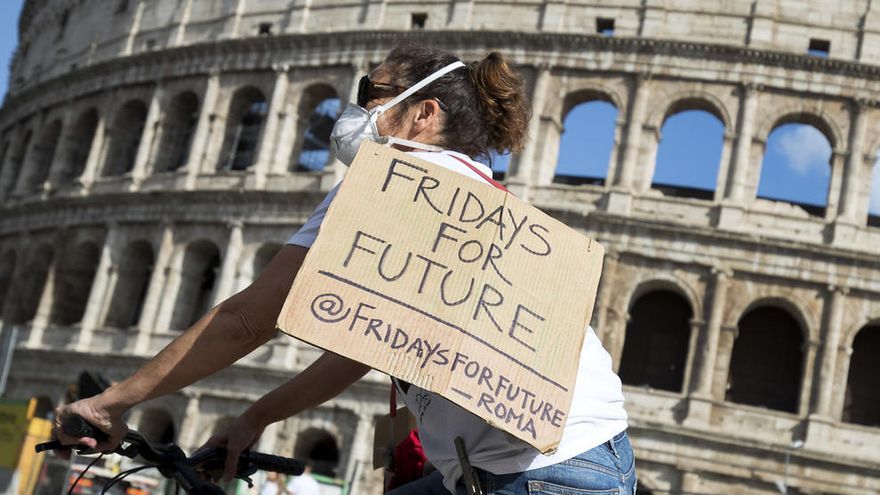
(486, 107)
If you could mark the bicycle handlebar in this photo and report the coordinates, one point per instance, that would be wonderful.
(173, 463)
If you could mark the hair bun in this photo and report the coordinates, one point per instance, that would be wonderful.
(500, 91)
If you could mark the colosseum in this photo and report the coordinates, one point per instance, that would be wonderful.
(156, 153)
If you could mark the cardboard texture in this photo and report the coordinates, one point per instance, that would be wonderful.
(453, 285)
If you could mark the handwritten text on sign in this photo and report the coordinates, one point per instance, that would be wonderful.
(450, 284)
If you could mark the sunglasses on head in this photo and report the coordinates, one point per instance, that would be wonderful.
(371, 90)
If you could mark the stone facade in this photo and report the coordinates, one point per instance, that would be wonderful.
(104, 203)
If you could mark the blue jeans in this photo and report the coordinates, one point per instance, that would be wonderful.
(608, 469)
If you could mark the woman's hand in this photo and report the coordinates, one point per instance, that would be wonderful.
(96, 413)
(241, 434)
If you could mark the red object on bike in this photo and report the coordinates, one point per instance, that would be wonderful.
(409, 460)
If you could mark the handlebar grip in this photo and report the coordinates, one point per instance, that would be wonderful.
(278, 464)
(76, 426)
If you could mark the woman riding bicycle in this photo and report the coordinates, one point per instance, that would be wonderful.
(429, 103)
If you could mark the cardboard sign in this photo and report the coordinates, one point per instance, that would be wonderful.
(453, 285)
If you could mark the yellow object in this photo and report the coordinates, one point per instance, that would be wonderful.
(39, 430)
(14, 415)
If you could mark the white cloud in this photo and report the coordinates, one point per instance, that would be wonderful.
(805, 149)
(874, 206)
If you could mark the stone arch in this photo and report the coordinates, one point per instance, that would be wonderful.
(73, 283)
(657, 341)
(861, 403)
(667, 281)
(321, 448)
(245, 118)
(696, 180)
(125, 138)
(767, 360)
(689, 100)
(807, 322)
(36, 171)
(158, 425)
(587, 93)
(806, 113)
(133, 273)
(7, 270)
(177, 132)
(29, 287)
(77, 145)
(198, 280)
(315, 116)
(595, 106)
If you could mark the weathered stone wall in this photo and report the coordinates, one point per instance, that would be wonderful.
(744, 62)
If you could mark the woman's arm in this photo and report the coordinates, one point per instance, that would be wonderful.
(326, 378)
(228, 332)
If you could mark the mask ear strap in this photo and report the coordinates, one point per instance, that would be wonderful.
(391, 140)
(419, 85)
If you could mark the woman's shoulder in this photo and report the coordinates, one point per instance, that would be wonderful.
(453, 160)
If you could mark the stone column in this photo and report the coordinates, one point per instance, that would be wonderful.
(709, 351)
(830, 350)
(620, 196)
(6, 178)
(101, 291)
(737, 175)
(134, 29)
(809, 353)
(724, 164)
(148, 136)
(61, 147)
(235, 20)
(44, 308)
(180, 33)
(524, 174)
(189, 425)
(155, 291)
(607, 285)
(96, 152)
(198, 155)
(838, 158)
(849, 218)
(229, 269)
(721, 368)
(361, 449)
(268, 141)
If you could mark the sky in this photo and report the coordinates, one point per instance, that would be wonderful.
(795, 166)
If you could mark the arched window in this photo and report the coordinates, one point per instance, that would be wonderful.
(18, 157)
(263, 256)
(317, 113)
(201, 264)
(178, 129)
(7, 270)
(4, 149)
(586, 143)
(125, 138)
(689, 153)
(656, 346)
(874, 204)
(29, 288)
(319, 447)
(244, 124)
(134, 270)
(766, 362)
(77, 146)
(37, 171)
(862, 401)
(157, 425)
(72, 284)
(796, 167)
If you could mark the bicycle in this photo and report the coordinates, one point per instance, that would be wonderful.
(171, 461)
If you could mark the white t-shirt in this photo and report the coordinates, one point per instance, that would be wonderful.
(596, 413)
(303, 484)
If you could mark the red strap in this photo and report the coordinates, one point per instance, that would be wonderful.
(481, 174)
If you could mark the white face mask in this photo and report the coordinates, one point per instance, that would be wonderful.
(356, 124)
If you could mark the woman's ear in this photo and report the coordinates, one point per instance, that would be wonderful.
(426, 117)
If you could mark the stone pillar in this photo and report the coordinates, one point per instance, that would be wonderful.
(155, 291)
(726, 340)
(361, 450)
(198, 155)
(134, 29)
(849, 218)
(809, 352)
(838, 158)
(101, 291)
(523, 174)
(44, 308)
(830, 350)
(235, 20)
(724, 164)
(620, 196)
(229, 269)
(606, 286)
(58, 162)
(709, 351)
(189, 425)
(180, 33)
(96, 152)
(276, 114)
(736, 179)
(148, 136)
